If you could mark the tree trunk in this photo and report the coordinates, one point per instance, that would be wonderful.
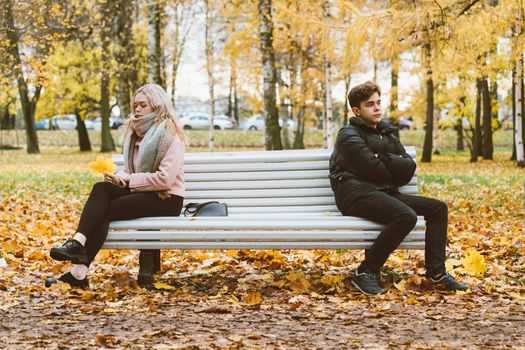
(477, 146)
(236, 100)
(83, 136)
(154, 51)
(209, 69)
(272, 132)
(328, 127)
(346, 116)
(394, 95)
(229, 111)
(435, 132)
(487, 120)
(426, 157)
(518, 127)
(460, 144)
(28, 103)
(285, 132)
(107, 143)
(298, 142)
(124, 54)
(513, 156)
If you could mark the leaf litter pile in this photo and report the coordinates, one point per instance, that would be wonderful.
(251, 299)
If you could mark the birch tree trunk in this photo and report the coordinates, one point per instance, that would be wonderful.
(209, 69)
(513, 155)
(518, 126)
(272, 132)
(328, 123)
(328, 127)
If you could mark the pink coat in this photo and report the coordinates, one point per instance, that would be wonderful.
(169, 176)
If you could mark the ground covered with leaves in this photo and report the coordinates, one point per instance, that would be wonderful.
(261, 299)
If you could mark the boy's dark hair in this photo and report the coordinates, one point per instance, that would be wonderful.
(362, 92)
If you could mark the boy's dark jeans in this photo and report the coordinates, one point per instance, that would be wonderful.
(399, 213)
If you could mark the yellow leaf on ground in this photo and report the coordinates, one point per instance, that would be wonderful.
(474, 262)
(401, 286)
(102, 165)
(160, 285)
(298, 283)
(330, 280)
(253, 298)
(232, 253)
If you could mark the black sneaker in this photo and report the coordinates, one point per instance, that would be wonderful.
(72, 251)
(69, 279)
(366, 282)
(447, 282)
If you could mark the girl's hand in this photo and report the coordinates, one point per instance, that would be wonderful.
(112, 178)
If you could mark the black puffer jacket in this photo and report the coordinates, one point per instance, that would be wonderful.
(367, 159)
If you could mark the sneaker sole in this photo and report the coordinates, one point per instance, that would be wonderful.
(356, 286)
(75, 259)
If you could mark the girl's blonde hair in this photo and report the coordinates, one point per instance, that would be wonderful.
(161, 105)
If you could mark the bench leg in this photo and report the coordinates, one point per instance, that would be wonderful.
(156, 267)
(147, 259)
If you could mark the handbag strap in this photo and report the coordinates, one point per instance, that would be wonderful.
(193, 208)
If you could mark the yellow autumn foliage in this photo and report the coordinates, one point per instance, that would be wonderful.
(102, 165)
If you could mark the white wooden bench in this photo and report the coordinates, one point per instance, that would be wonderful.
(276, 200)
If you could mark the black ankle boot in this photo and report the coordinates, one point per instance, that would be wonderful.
(72, 251)
(69, 279)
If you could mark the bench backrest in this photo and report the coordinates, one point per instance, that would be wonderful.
(290, 181)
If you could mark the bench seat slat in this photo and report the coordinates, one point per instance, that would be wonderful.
(271, 193)
(251, 224)
(275, 201)
(350, 236)
(308, 183)
(294, 209)
(253, 245)
(213, 168)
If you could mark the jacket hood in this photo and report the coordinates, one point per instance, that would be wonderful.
(383, 127)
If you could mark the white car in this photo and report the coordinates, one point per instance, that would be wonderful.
(256, 122)
(220, 122)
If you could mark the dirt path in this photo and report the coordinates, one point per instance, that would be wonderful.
(136, 319)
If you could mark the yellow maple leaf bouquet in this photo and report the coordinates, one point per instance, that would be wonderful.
(102, 165)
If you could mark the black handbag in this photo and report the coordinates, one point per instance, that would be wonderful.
(206, 209)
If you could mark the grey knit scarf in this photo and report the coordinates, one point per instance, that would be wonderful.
(156, 140)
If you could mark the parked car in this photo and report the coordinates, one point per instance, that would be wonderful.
(114, 123)
(42, 124)
(202, 122)
(68, 122)
(402, 123)
(65, 122)
(256, 122)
